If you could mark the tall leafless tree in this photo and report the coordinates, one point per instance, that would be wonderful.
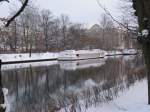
(46, 22)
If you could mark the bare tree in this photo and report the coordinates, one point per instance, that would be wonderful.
(46, 22)
(13, 35)
(64, 21)
(55, 29)
(24, 4)
(29, 20)
(108, 32)
(76, 31)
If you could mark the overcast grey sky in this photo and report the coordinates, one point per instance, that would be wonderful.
(83, 11)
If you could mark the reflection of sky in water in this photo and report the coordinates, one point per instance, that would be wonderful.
(53, 87)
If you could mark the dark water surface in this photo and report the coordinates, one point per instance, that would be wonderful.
(51, 87)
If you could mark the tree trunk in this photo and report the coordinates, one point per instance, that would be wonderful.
(148, 87)
(146, 51)
(142, 8)
(30, 50)
(15, 34)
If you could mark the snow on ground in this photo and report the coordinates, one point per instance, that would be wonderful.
(66, 65)
(25, 56)
(135, 99)
(51, 55)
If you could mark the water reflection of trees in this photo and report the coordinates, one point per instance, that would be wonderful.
(1, 94)
(50, 88)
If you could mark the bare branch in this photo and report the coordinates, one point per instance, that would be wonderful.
(4, 0)
(18, 13)
(109, 14)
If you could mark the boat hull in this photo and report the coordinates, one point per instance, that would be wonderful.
(80, 57)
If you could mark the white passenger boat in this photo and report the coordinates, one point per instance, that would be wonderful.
(81, 64)
(129, 51)
(113, 53)
(81, 54)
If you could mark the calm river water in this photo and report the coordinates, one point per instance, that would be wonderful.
(69, 86)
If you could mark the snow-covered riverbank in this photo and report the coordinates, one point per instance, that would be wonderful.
(54, 56)
(133, 100)
(25, 56)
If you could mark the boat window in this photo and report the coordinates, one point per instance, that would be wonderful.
(77, 55)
